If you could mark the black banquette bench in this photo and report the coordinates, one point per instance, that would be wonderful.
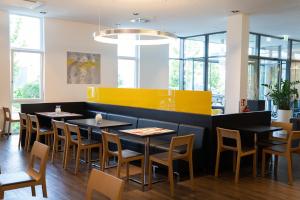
(203, 126)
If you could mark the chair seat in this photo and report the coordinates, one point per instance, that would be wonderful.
(89, 142)
(15, 178)
(46, 131)
(164, 156)
(270, 142)
(126, 153)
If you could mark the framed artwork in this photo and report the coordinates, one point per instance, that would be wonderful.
(83, 68)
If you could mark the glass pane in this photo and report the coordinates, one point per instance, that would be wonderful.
(194, 47)
(174, 74)
(198, 75)
(26, 75)
(188, 75)
(216, 80)
(25, 32)
(269, 73)
(127, 49)
(296, 50)
(174, 49)
(273, 47)
(217, 45)
(253, 46)
(126, 73)
(253, 79)
(295, 73)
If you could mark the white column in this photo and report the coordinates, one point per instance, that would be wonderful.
(236, 61)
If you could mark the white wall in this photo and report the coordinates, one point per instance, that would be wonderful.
(154, 66)
(62, 36)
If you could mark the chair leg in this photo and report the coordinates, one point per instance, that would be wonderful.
(20, 137)
(29, 141)
(234, 161)
(44, 188)
(150, 175)
(64, 152)
(119, 169)
(33, 191)
(276, 166)
(254, 165)
(26, 140)
(237, 170)
(67, 155)
(171, 179)
(103, 161)
(77, 159)
(191, 169)
(289, 166)
(100, 157)
(263, 164)
(1, 194)
(89, 152)
(127, 171)
(217, 163)
(53, 149)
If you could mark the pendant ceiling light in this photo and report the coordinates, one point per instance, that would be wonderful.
(143, 36)
(137, 36)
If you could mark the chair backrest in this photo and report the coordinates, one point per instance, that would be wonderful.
(7, 114)
(284, 125)
(39, 153)
(72, 128)
(34, 124)
(294, 140)
(229, 134)
(106, 184)
(186, 141)
(108, 138)
(23, 120)
(59, 126)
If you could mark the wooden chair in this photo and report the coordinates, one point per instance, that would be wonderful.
(24, 128)
(110, 186)
(35, 128)
(167, 158)
(238, 151)
(285, 150)
(81, 144)
(277, 137)
(32, 176)
(59, 131)
(125, 156)
(7, 120)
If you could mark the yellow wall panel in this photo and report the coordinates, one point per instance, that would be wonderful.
(198, 102)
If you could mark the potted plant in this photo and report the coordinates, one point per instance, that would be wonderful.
(283, 94)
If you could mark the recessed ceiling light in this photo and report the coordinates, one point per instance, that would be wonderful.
(140, 20)
(135, 13)
(43, 12)
(235, 11)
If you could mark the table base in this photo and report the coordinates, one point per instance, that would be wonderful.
(155, 179)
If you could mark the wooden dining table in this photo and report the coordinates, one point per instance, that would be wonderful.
(59, 115)
(146, 134)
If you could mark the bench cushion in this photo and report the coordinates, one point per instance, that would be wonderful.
(123, 118)
(185, 129)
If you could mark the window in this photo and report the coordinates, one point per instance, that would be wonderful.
(273, 47)
(127, 63)
(217, 45)
(174, 64)
(253, 45)
(26, 43)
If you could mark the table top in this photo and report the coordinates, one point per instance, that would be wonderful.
(258, 128)
(58, 115)
(93, 124)
(148, 132)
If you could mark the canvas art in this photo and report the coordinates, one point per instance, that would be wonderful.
(83, 68)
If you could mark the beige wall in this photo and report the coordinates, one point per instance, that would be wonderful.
(62, 36)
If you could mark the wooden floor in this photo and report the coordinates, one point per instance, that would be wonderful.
(63, 184)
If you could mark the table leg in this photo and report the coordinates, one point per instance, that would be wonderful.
(137, 178)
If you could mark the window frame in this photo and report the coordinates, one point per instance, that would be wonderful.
(40, 51)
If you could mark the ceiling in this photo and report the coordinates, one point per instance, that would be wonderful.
(182, 17)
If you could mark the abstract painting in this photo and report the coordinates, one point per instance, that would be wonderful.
(83, 68)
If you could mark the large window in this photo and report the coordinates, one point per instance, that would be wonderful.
(26, 42)
(174, 64)
(128, 62)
